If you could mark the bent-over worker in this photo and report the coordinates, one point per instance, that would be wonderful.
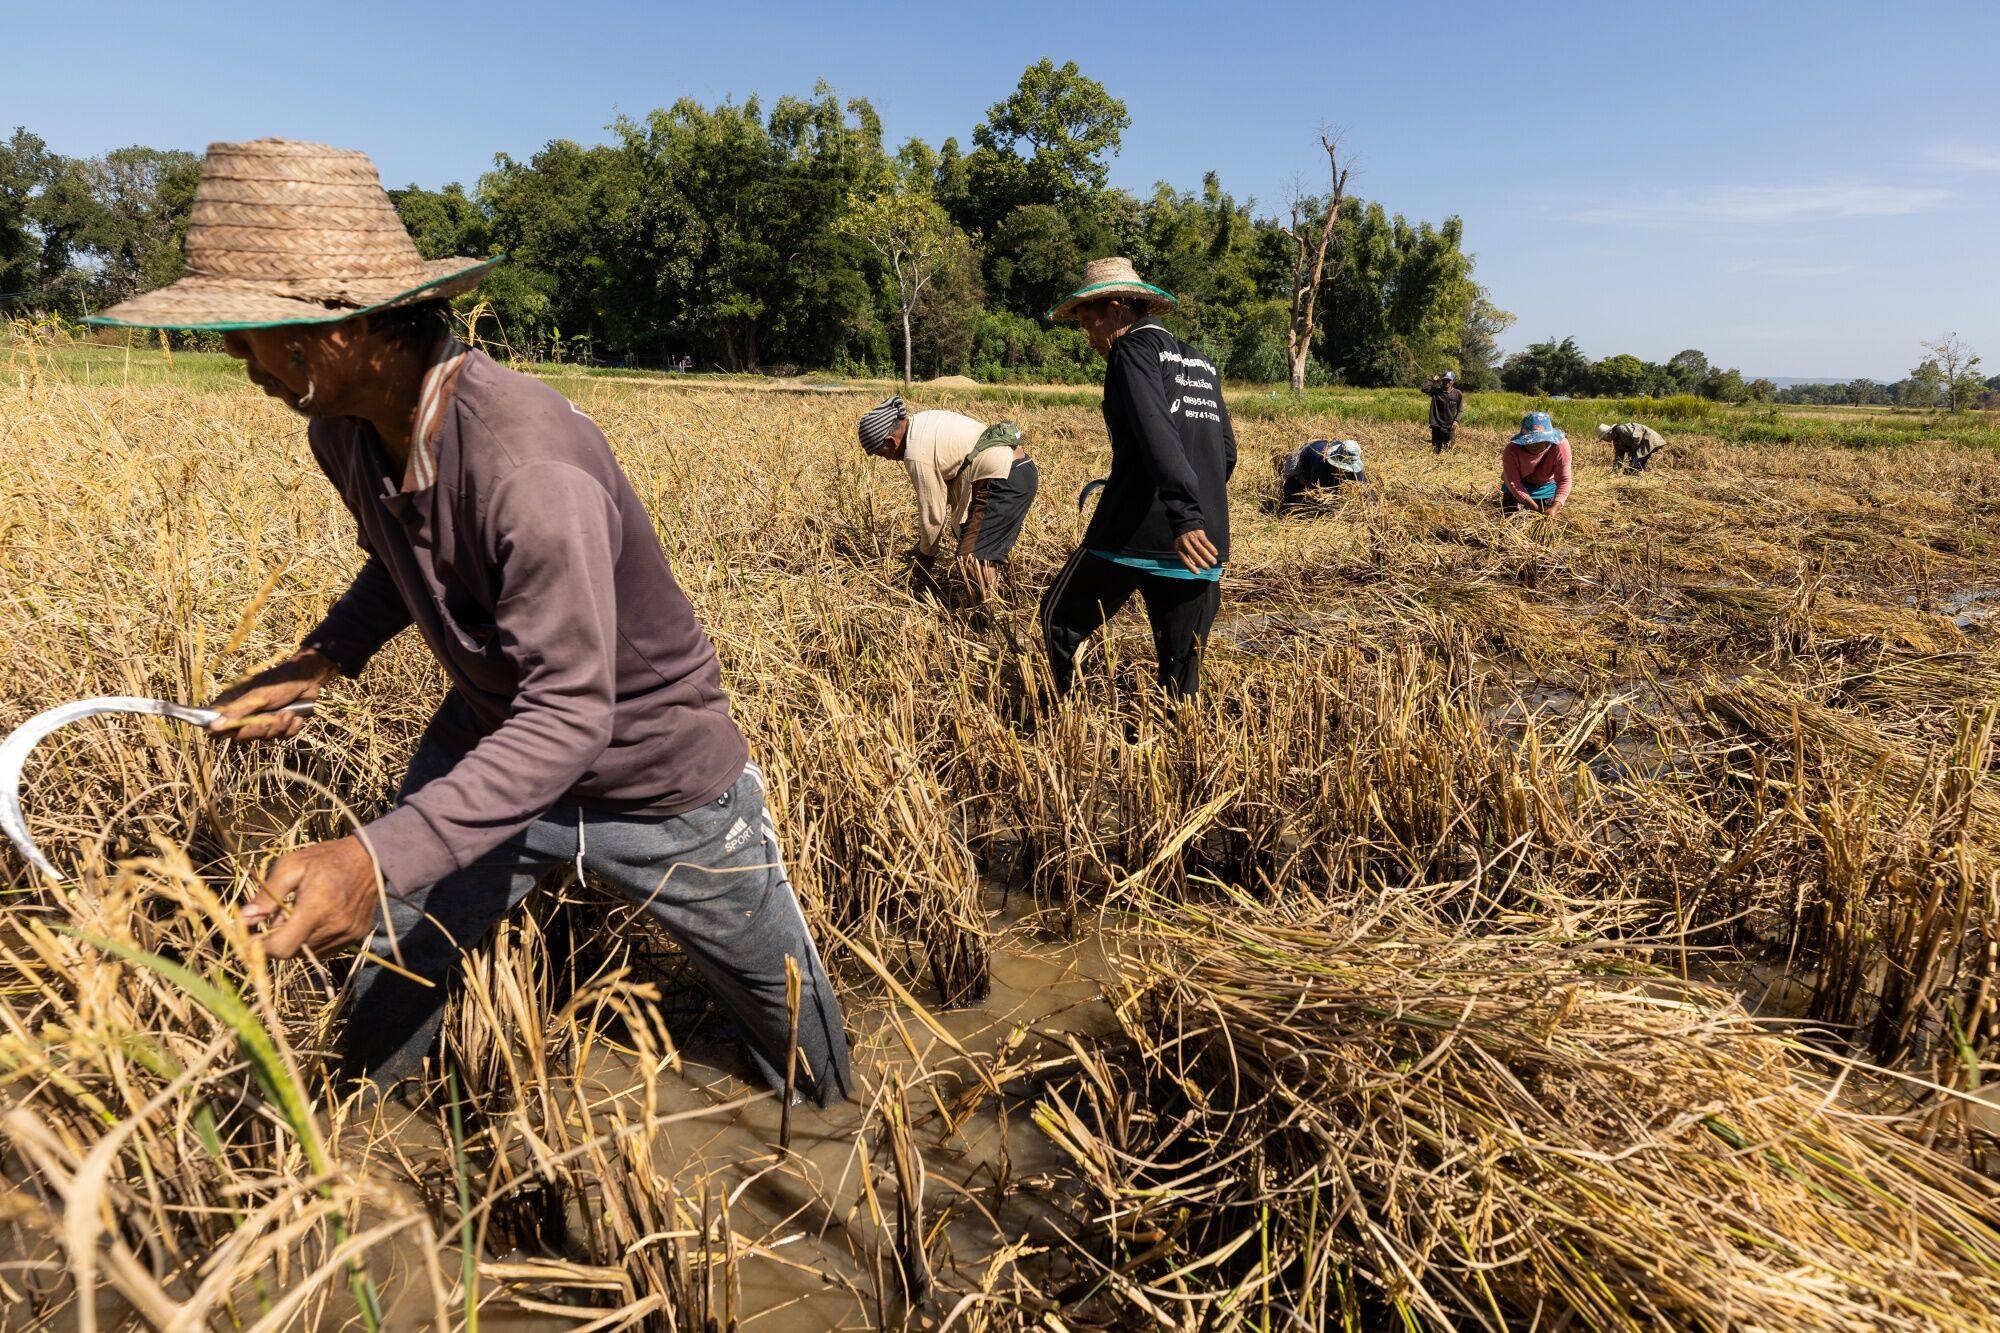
(1535, 467)
(1632, 445)
(1318, 467)
(964, 472)
(1161, 528)
(586, 721)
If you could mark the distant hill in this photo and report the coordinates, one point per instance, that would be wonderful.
(1787, 381)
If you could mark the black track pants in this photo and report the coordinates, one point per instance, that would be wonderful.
(1090, 590)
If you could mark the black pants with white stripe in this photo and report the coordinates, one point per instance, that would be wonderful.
(1090, 590)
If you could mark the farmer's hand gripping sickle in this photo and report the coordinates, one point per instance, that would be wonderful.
(586, 720)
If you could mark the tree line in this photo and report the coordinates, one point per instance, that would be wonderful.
(792, 237)
(740, 234)
(1946, 378)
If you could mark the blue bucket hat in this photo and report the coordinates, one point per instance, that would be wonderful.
(1536, 428)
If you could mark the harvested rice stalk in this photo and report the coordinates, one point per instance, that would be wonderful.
(1808, 618)
(1776, 714)
(1375, 1120)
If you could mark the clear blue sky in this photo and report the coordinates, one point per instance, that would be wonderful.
(1797, 189)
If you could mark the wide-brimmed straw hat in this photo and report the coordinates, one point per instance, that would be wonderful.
(1104, 278)
(292, 233)
(1538, 428)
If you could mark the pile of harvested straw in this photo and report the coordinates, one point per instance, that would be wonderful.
(1371, 1119)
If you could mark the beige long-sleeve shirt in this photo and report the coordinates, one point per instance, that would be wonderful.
(935, 453)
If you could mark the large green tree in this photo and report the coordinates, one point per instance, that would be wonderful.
(573, 223)
(1621, 376)
(141, 199)
(25, 167)
(1397, 297)
(1547, 367)
(1954, 369)
(1687, 370)
(1033, 258)
(444, 223)
(1048, 141)
(1202, 248)
(79, 233)
(914, 243)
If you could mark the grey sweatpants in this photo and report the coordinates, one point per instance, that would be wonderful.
(714, 877)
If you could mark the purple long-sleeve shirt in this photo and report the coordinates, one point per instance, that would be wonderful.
(522, 555)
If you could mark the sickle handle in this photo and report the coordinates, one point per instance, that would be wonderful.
(15, 747)
(208, 717)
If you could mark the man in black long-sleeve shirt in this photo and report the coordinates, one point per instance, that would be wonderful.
(1446, 403)
(1162, 525)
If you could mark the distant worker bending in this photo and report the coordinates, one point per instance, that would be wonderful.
(1162, 524)
(1320, 469)
(1632, 445)
(964, 472)
(1535, 468)
(1446, 404)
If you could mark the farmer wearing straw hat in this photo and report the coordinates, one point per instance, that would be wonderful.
(1446, 405)
(1161, 528)
(1535, 468)
(1318, 468)
(1632, 445)
(963, 471)
(586, 721)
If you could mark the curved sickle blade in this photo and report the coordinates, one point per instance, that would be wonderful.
(14, 752)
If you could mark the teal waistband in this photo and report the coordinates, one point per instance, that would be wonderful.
(1545, 491)
(1166, 569)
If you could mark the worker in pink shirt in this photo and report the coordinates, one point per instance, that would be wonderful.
(1534, 468)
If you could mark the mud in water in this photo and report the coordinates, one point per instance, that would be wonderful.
(814, 1256)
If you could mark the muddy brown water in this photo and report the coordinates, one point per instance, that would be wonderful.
(818, 1254)
(812, 1256)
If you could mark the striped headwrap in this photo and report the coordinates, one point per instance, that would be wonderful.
(879, 420)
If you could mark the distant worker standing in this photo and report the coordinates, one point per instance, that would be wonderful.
(1162, 524)
(1535, 468)
(1446, 404)
(1632, 445)
(964, 472)
(1320, 467)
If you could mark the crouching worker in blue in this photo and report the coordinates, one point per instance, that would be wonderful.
(1162, 524)
(585, 721)
(1320, 469)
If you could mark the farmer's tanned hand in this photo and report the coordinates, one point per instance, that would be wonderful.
(1196, 551)
(249, 707)
(321, 898)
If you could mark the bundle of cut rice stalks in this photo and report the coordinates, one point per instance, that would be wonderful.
(1944, 684)
(1804, 618)
(1781, 718)
(1336, 1121)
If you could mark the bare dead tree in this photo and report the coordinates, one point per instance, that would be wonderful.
(1310, 240)
(1958, 371)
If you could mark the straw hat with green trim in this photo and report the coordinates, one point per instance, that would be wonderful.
(292, 233)
(1113, 277)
